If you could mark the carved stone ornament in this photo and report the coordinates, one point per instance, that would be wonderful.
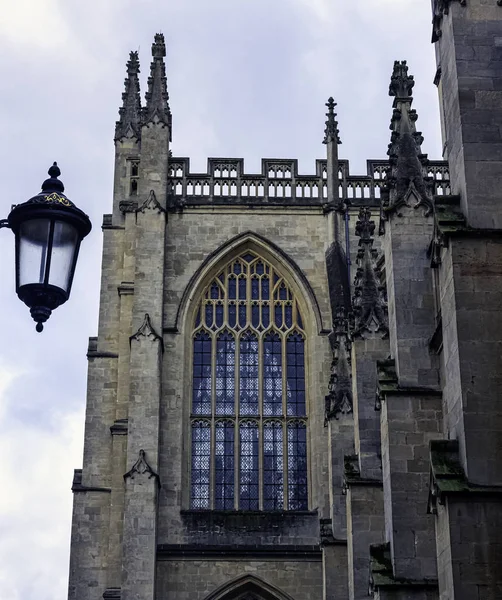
(407, 183)
(339, 399)
(141, 467)
(128, 125)
(157, 108)
(439, 9)
(151, 203)
(369, 302)
(146, 330)
(331, 133)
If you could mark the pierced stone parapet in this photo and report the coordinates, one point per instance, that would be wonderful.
(279, 183)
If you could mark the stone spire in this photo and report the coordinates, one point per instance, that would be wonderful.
(369, 304)
(128, 124)
(331, 133)
(407, 182)
(157, 99)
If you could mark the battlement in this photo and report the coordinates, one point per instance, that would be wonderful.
(279, 183)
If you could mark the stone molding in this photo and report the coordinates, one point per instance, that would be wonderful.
(146, 330)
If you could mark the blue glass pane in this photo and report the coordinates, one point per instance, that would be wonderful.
(265, 288)
(201, 395)
(255, 315)
(219, 315)
(259, 268)
(255, 289)
(232, 288)
(283, 294)
(288, 311)
(237, 268)
(209, 315)
(295, 375)
(215, 291)
(265, 316)
(249, 467)
(297, 467)
(224, 466)
(201, 459)
(248, 372)
(272, 375)
(278, 315)
(273, 467)
(242, 288)
(225, 374)
(242, 315)
(248, 257)
(197, 319)
(232, 315)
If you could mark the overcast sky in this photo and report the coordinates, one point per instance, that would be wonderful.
(247, 78)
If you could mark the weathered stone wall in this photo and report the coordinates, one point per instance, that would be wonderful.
(184, 579)
(191, 237)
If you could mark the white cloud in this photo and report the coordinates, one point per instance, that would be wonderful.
(35, 504)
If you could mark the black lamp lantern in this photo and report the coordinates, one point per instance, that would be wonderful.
(49, 229)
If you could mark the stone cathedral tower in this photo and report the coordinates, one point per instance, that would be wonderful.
(296, 388)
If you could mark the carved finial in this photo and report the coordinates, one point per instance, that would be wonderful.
(157, 99)
(365, 227)
(407, 182)
(128, 124)
(331, 133)
(53, 184)
(369, 302)
(401, 84)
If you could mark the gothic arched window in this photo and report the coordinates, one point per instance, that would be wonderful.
(248, 411)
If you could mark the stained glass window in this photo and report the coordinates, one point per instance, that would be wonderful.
(249, 407)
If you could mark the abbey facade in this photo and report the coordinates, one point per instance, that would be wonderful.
(296, 388)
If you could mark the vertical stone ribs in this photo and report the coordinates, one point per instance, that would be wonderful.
(407, 181)
(157, 108)
(128, 124)
(369, 304)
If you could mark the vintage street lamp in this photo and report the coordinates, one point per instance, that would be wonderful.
(48, 230)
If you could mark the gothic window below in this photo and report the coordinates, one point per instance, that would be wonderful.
(248, 407)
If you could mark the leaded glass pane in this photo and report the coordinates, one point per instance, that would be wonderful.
(201, 397)
(225, 374)
(201, 458)
(224, 466)
(295, 357)
(272, 375)
(297, 466)
(249, 466)
(248, 373)
(244, 315)
(273, 467)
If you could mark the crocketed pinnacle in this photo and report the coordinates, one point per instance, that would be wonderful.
(331, 133)
(408, 166)
(339, 399)
(369, 305)
(128, 124)
(157, 99)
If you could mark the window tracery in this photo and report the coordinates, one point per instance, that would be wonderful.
(248, 411)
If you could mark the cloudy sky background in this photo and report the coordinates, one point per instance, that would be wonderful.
(247, 78)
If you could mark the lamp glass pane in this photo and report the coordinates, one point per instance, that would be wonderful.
(33, 243)
(64, 245)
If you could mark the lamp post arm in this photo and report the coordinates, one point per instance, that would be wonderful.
(4, 223)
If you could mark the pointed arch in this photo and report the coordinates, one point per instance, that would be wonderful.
(271, 252)
(248, 584)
